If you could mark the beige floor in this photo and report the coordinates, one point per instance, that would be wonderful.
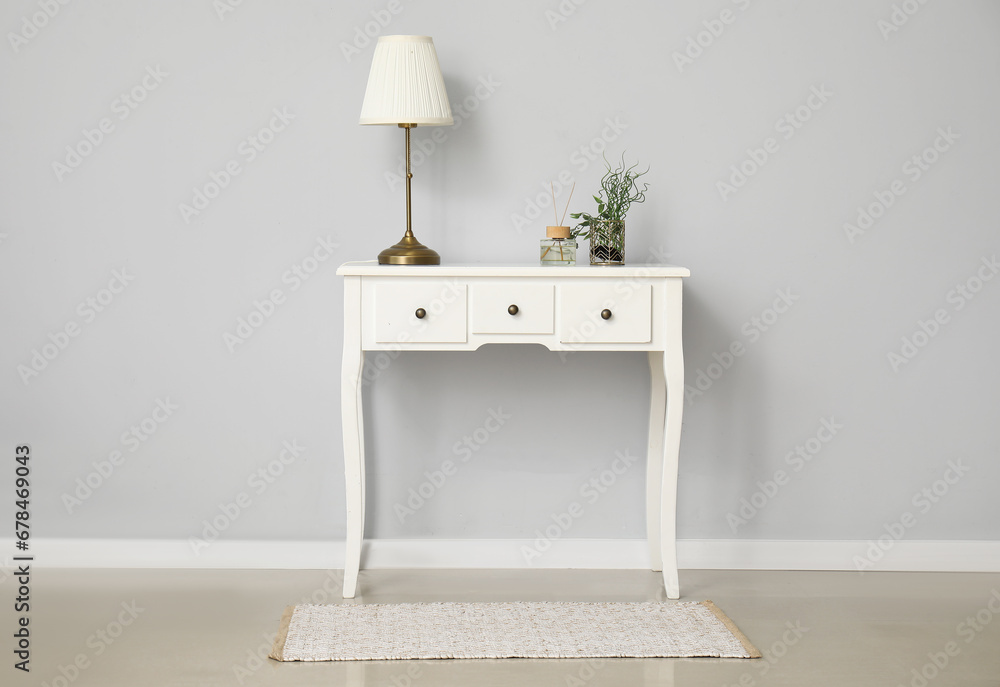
(160, 627)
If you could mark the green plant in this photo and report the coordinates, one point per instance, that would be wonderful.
(619, 191)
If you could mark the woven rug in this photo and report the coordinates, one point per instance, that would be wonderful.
(363, 632)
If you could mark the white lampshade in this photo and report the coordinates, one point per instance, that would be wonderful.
(405, 85)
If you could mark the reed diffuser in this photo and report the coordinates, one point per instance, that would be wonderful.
(559, 248)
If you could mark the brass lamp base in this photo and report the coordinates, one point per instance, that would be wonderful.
(409, 251)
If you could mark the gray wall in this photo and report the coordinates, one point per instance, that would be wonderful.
(539, 82)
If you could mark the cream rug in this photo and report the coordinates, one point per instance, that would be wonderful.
(363, 632)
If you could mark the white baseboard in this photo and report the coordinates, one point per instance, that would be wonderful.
(719, 554)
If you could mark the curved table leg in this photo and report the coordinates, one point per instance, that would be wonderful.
(353, 430)
(654, 456)
(673, 366)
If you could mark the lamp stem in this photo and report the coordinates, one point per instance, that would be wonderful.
(409, 251)
(409, 175)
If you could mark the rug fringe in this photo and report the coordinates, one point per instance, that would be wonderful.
(278, 650)
(731, 626)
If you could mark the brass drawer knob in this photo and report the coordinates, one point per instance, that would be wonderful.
(421, 313)
(512, 310)
(606, 314)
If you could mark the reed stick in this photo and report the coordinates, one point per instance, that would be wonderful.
(567, 203)
(555, 213)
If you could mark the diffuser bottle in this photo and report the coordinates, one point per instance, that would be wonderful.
(558, 248)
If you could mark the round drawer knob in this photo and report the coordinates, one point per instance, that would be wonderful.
(606, 314)
(421, 313)
(512, 310)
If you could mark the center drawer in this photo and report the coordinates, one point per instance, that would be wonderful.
(507, 307)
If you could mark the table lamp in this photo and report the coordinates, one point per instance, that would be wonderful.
(405, 88)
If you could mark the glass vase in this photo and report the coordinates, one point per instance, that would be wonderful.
(607, 242)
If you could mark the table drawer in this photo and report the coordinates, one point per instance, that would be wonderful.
(421, 311)
(506, 307)
(611, 312)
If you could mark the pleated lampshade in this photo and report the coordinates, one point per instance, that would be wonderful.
(405, 85)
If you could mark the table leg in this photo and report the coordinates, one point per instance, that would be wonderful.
(353, 430)
(654, 456)
(673, 366)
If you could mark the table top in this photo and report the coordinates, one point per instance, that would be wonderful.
(371, 268)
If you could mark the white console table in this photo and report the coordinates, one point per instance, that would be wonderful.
(462, 307)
